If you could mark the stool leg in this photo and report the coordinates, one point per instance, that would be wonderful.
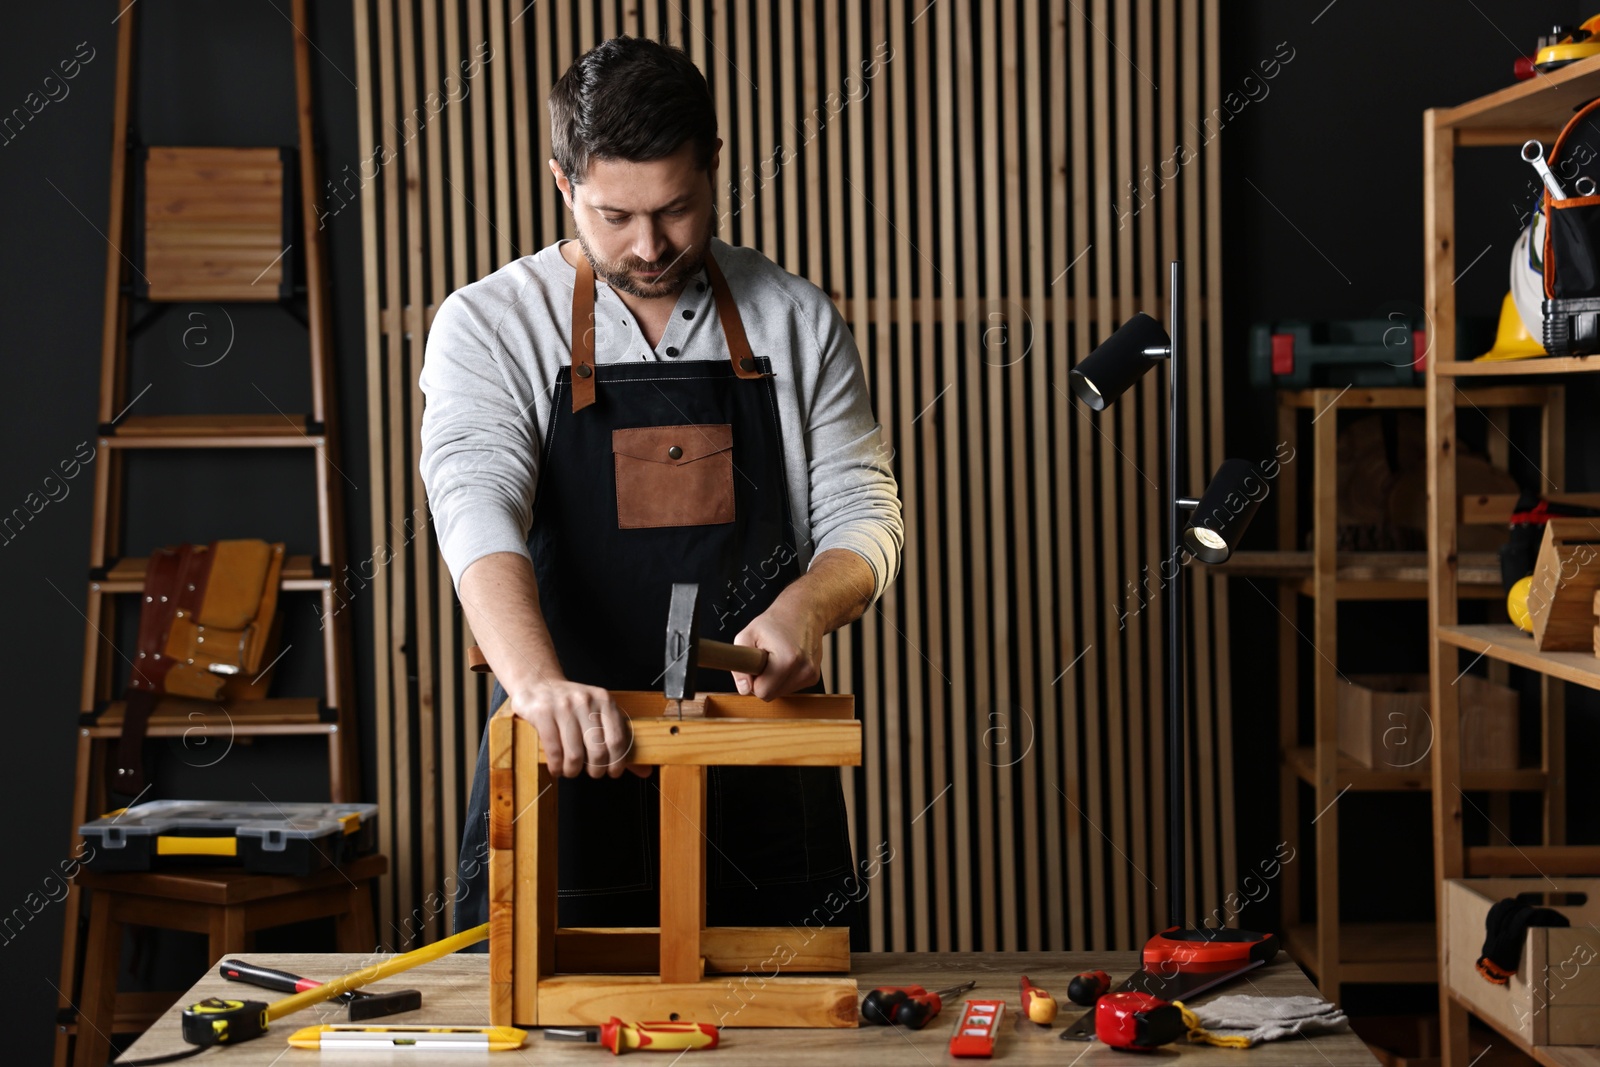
(98, 1009)
(353, 926)
(227, 932)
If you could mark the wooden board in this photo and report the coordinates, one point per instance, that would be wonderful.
(1565, 578)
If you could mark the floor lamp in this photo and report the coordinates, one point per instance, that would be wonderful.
(1180, 960)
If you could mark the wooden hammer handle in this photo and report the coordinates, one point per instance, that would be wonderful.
(721, 656)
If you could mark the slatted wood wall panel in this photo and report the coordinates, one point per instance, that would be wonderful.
(960, 178)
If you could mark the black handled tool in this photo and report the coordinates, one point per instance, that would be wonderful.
(363, 1005)
(878, 1007)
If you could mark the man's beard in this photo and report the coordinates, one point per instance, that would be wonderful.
(677, 268)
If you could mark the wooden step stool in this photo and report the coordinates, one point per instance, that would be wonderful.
(227, 905)
(540, 975)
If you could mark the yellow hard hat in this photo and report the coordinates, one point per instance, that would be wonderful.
(1517, 604)
(1580, 44)
(1512, 340)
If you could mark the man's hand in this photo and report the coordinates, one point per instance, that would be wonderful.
(834, 592)
(580, 727)
(792, 637)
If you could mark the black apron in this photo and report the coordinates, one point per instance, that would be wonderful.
(655, 473)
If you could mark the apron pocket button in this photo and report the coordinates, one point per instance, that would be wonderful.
(675, 452)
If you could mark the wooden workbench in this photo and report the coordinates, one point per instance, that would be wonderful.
(455, 991)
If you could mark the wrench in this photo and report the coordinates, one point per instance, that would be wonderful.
(1585, 185)
(1533, 152)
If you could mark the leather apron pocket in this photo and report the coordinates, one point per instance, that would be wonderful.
(673, 475)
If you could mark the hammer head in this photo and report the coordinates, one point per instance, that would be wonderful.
(683, 630)
(364, 1005)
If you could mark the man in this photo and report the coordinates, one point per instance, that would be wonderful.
(645, 406)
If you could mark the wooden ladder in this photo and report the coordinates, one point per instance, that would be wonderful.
(216, 225)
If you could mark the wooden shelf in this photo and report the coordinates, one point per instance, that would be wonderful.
(1532, 861)
(1537, 108)
(1504, 642)
(1467, 368)
(1352, 775)
(178, 717)
(1401, 953)
(1518, 111)
(215, 431)
(1549, 1055)
(127, 575)
(1370, 575)
(1406, 396)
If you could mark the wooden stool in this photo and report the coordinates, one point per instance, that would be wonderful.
(226, 905)
(542, 975)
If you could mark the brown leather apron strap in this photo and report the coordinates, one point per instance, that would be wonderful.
(744, 363)
(583, 377)
(583, 336)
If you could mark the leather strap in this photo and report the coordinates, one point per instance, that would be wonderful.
(582, 343)
(744, 362)
(174, 583)
(583, 335)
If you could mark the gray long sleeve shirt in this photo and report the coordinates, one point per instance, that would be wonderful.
(495, 348)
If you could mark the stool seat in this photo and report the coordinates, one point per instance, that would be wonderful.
(226, 904)
(228, 885)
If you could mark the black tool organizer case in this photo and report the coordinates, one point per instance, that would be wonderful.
(1572, 251)
(260, 836)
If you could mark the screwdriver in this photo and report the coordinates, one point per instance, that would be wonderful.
(621, 1037)
(1037, 1005)
(879, 1006)
(1088, 987)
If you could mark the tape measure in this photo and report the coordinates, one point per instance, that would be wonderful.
(217, 1021)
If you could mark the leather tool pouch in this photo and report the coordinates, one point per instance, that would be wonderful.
(674, 475)
(208, 622)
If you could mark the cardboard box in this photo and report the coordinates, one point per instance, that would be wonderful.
(1385, 722)
(1554, 998)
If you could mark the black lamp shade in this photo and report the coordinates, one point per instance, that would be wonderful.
(1119, 362)
(1225, 511)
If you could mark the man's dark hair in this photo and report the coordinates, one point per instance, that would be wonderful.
(631, 99)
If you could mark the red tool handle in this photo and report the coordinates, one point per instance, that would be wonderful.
(878, 1006)
(1088, 987)
(918, 1010)
(621, 1037)
(264, 977)
(1037, 1005)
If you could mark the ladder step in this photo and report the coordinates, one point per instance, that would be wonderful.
(127, 575)
(180, 716)
(215, 431)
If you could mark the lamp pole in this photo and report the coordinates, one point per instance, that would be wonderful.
(1175, 643)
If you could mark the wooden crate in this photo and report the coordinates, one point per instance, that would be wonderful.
(1385, 722)
(1554, 998)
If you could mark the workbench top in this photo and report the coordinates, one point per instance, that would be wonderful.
(455, 992)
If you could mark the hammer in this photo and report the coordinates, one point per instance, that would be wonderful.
(687, 651)
(363, 1005)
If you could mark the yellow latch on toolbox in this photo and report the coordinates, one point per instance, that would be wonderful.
(197, 846)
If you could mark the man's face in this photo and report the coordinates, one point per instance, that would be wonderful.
(644, 226)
